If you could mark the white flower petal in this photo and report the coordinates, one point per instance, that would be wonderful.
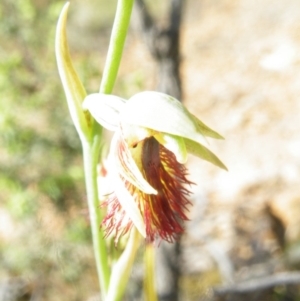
(105, 108)
(162, 113)
(129, 205)
(122, 161)
(134, 133)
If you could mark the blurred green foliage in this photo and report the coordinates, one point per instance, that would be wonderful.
(38, 141)
(44, 229)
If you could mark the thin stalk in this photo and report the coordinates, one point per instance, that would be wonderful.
(91, 150)
(149, 282)
(90, 158)
(117, 40)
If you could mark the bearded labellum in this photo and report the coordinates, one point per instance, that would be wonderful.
(154, 133)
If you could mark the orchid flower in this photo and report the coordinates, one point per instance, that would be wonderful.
(153, 135)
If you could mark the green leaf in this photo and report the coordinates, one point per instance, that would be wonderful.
(74, 90)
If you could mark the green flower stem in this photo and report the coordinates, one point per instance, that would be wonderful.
(115, 50)
(149, 282)
(91, 151)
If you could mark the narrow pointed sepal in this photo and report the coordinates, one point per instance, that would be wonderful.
(204, 153)
(205, 130)
(74, 90)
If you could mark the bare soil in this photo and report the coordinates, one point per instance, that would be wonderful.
(241, 71)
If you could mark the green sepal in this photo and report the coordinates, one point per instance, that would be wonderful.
(204, 153)
(205, 130)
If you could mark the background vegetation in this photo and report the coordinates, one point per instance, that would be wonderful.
(45, 235)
